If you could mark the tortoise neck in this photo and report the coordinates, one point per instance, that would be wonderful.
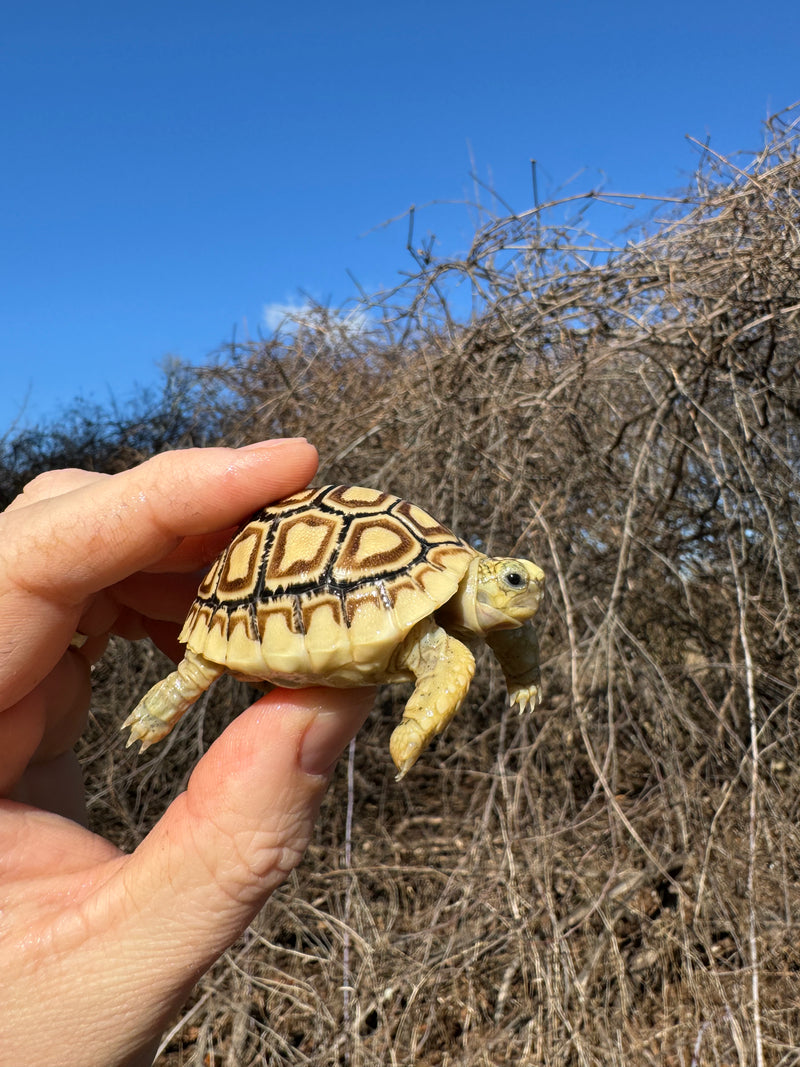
(460, 613)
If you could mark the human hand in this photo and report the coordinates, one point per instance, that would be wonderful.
(97, 948)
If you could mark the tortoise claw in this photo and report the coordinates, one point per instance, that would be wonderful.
(526, 699)
(144, 727)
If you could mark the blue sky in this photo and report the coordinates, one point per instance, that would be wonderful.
(171, 171)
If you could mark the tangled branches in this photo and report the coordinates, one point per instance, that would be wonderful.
(630, 417)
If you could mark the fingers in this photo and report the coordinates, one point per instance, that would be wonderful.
(46, 721)
(54, 483)
(104, 529)
(156, 596)
(55, 786)
(243, 823)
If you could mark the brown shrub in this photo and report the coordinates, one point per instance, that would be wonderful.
(615, 879)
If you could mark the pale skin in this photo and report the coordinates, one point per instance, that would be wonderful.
(104, 947)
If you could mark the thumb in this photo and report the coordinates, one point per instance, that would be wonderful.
(228, 841)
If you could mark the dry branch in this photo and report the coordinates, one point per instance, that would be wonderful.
(616, 880)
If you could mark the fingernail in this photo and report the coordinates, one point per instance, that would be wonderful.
(270, 443)
(331, 731)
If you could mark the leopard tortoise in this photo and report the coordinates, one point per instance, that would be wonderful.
(346, 586)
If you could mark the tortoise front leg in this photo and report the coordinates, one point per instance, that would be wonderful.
(517, 652)
(162, 705)
(443, 668)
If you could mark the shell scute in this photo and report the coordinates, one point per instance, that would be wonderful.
(323, 621)
(374, 545)
(355, 498)
(209, 583)
(282, 648)
(299, 499)
(301, 549)
(238, 574)
(373, 631)
(435, 582)
(243, 642)
(426, 526)
(206, 631)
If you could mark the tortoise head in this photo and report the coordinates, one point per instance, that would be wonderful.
(496, 594)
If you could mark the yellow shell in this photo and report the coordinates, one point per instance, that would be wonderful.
(324, 586)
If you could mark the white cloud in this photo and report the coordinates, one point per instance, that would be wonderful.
(288, 317)
(277, 315)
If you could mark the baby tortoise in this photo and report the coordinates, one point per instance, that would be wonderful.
(346, 586)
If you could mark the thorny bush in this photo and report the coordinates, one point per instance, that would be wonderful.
(615, 879)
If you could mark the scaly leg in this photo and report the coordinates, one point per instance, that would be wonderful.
(443, 668)
(517, 652)
(161, 707)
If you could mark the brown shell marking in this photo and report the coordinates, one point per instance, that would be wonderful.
(324, 584)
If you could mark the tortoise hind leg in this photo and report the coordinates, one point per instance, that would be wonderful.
(162, 706)
(443, 668)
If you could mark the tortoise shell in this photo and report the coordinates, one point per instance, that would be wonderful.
(324, 585)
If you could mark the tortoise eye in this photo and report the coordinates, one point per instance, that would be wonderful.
(515, 579)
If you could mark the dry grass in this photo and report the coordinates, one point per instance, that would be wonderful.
(615, 879)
